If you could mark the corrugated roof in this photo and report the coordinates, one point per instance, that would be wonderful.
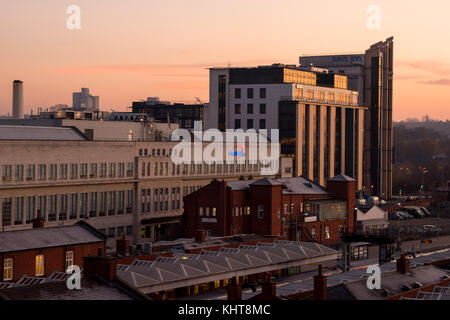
(40, 133)
(20, 240)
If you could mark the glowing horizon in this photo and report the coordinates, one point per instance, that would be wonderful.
(129, 50)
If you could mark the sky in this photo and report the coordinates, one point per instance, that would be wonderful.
(127, 50)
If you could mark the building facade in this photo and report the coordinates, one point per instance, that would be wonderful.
(83, 100)
(117, 186)
(319, 120)
(294, 208)
(371, 74)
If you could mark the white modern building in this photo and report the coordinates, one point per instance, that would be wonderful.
(83, 100)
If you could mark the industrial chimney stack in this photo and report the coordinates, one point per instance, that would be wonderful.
(17, 109)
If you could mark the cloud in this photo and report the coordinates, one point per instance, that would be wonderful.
(431, 66)
(441, 82)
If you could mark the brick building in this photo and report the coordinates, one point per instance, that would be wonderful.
(294, 208)
(39, 252)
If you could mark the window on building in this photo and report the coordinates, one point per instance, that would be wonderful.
(249, 93)
(52, 207)
(120, 231)
(18, 172)
(30, 172)
(8, 268)
(327, 232)
(93, 204)
(42, 206)
(42, 168)
(63, 171)
(69, 259)
(129, 169)
(250, 108)
(121, 204)
(7, 172)
(313, 233)
(73, 171)
(262, 93)
(6, 211)
(111, 203)
(84, 205)
(73, 206)
(237, 123)
(237, 108)
(18, 210)
(111, 232)
(39, 264)
(249, 123)
(102, 173)
(121, 172)
(53, 172)
(200, 211)
(262, 123)
(129, 230)
(237, 93)
(262, 108)
(129, 208)
(63, 207)
(30, 209)
(83, 170)
(102, 204)
(93, 173)
(112, 170)
(260, 211)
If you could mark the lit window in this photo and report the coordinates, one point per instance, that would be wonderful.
(200, 211)
(327, 232)
(69, 259)
(313, 233)
(214, 212)
(39, 265)
(8, 269)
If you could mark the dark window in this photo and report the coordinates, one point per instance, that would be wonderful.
(249, 123)
(262, 93)
(237, 109)
(249, 93)
(262, 123)
(249, 108)
(237, 93)
(262, 108)
(237, 123)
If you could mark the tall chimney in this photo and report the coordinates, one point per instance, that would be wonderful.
(234, 291)
(320, 286)
(123, 245)
(17, 107)
(403, 264)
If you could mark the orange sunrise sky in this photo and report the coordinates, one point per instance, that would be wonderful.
(127, 50)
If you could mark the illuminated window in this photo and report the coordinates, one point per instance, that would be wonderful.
(330, 96)
(310, 94)
(321, 95)
(8, 269)
(69, 259)
(39, 265)
(214, 212)
(327, 232)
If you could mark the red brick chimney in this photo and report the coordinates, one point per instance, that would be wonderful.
(234, 291)
(105, 267)
(38, 222)
(200, 235)
(320, 286)
(269, 289)
(403, 264)
(123, 245)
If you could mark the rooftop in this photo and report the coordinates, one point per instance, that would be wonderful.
(20, 240)
(40, 133)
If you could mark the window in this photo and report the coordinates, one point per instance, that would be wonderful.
(111, 203)
(53, 172)
(129, 169)
(8, 269)
(250, 108)
(129, 208)
(249, 123)
(84, 205)
(93, 173)
(6, 211)
(200, 211)
(310, 94)
(237, 123)
(42, 206)
(7, 172)
(249, 93)
(63, 171)
(73, 206)
(84, 171)
(214, 212)
(327, 232)
(63, 207)
(69, 259)
(52, 207)
(18, 211)
(18, 172)
(237, 108)
(262, 123)
(262, 93)
(313, 233)
(111, 232)
(262, 108)
(73, 171)
(39, 265)
(120, 231)
(237, 93)
(112, 170)
(30, 209)
(42, 171)
(93, 204)
(121, 206)
(30, 172)
(321, 95)
(129, 230)
(121, 169)
(260, 211)
(102, 173)
(330, 96)
(102, 205)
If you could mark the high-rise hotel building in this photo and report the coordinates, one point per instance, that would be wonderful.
(319, 120)
(371, 74)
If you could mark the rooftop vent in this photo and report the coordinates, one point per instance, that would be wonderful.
(308, 184)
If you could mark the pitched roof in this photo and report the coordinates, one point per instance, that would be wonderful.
(342, 177)
(20, 240)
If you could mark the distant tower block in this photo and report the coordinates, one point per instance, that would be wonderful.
(17, 99)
